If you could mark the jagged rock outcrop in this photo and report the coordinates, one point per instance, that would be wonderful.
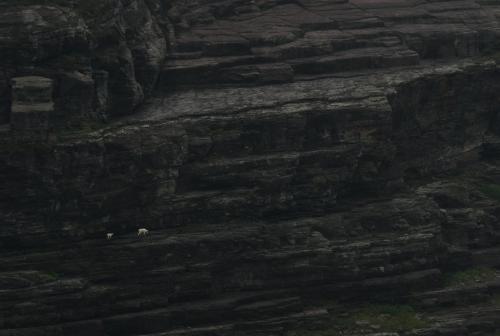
(71, 42)
(304, 168)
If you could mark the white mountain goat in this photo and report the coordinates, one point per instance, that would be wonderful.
(109, 235)
(142, 232)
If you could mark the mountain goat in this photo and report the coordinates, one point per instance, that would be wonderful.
(142, 232)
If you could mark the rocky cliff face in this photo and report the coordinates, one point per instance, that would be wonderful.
(304, 168)
(104, 55)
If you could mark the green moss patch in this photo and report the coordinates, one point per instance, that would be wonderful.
(373, 318)
(53, 275)
(491, 190)
(496, 300)
(389, 317)
(471, 276)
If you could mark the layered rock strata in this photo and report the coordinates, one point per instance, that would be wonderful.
(304, 168)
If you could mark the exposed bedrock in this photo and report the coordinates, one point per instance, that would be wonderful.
(72, 41)
(303, 168)
(435, 117)
(259, 210)
(224, 42)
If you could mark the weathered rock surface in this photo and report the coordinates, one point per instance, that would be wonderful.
(31, 105)
(71, 41)
(304, 168)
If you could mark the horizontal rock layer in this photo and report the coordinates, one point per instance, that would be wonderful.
(303, 168)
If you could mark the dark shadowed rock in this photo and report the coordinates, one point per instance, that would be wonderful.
(32, 105)
(309, 167)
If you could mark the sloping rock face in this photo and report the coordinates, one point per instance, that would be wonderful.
(304, 168)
